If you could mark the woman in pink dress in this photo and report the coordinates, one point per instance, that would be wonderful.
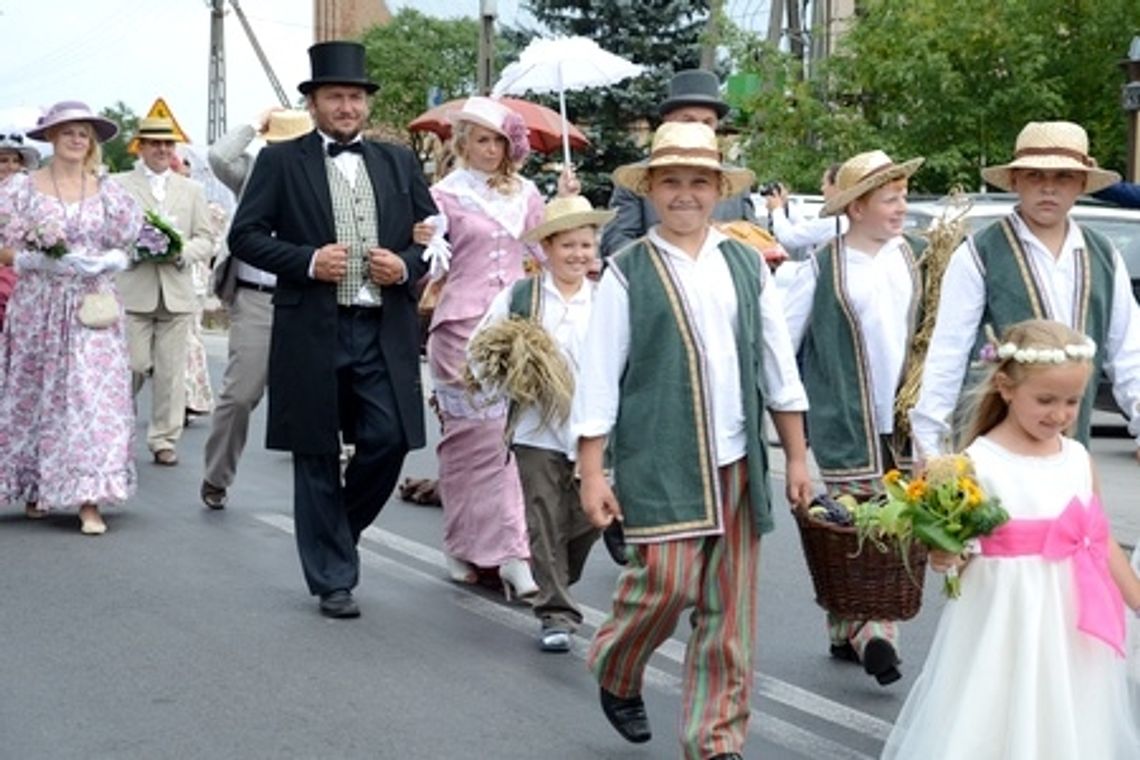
(65, 388)
(486, 207)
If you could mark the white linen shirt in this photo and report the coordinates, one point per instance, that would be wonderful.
(707, 289)
(566, 320)
(793, 231)
(881, 290)
(960, 307)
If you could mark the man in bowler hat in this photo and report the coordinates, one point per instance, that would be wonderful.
(694, 95)
(331, 215)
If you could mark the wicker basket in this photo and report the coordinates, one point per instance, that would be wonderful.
(863, 585)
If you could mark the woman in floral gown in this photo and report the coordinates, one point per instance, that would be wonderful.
(66, 416)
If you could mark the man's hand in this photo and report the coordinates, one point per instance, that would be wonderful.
(942, 561)
(262, 120)
(384, 267)
(778, 199)
(331, 262)
(598, 501)
(798, 487)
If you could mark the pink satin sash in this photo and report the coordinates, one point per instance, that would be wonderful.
(1079, 534)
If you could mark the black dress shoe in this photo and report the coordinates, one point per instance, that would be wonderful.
(881, 661)
(614, 538)
(844, 652)
(728, 756)
(627, 715)
(339, 604)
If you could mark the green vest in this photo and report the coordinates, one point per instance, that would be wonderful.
(662, 443)
(837, 374)
(526, 297)
(1014, 295)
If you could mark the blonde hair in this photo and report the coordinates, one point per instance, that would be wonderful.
(505, 177)
(986, 406)
(93, 160)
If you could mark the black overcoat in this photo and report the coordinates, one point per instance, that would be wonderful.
(285, 214)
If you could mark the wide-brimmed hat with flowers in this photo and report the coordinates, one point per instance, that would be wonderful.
(67, 111)
(863, 173)
(493, 115)
(286, 124)
(567, 212)
(1052, 146)
(683, 144)
(13, 139)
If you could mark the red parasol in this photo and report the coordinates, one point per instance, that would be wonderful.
(544, 125)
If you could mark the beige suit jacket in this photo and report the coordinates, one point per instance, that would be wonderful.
(184, 206)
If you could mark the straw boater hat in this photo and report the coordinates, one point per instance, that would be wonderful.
(287, 124)
(12, 139)
(567, 213)
(157, 128)
(863, 173)
(1052, 145)
(683, 144)
(70, 111)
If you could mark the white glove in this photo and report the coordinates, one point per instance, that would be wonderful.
(438, 250)
(88, 265)
(35, 261)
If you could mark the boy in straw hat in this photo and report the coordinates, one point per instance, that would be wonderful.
(1036, 263)
(686, 347)
(550, 312)
(853, 308)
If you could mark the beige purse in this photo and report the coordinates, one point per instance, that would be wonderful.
(99, 310)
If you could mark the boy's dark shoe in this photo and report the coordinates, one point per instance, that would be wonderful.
(627, 715)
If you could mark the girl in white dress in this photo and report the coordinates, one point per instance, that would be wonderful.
(1030, 661)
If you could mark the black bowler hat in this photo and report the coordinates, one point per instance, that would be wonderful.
(694, 87)
(337, 63)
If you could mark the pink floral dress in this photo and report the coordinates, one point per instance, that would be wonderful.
(66, 416)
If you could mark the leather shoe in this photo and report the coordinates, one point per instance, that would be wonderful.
(166, 457)
(881, 661)
(339, 604)
(627, 715)
(213, 496)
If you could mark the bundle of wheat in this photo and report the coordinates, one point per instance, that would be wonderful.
(517, 359)
(944, 236)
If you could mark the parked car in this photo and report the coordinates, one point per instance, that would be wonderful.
(1120, 225)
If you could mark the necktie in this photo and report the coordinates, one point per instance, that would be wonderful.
(335, 149)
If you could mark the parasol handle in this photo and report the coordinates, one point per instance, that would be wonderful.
(565, 129)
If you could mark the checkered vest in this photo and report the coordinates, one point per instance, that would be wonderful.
(354, 213)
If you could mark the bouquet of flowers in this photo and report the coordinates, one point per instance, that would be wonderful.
(943, 508)
(158, 241)
(48, 238)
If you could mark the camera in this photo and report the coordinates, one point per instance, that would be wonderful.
(770, 188)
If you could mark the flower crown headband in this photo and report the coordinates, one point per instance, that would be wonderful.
(993, 352)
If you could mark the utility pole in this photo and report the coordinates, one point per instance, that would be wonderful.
(485, 77)
(712, 35)
(216, 106)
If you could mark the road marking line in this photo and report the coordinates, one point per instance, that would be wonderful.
(767, 726)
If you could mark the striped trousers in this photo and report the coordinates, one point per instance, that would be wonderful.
(716, 576)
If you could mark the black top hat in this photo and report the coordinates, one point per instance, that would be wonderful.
(337, 63)
(694, 87)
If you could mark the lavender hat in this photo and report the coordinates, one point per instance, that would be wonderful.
(73, 110)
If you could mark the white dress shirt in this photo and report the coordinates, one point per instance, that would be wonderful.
(793, 231)
(710, 301)
(880, 290)
(960, 308)
(348, 162)
(566, 320)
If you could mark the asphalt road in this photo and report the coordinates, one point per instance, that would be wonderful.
(185, 633)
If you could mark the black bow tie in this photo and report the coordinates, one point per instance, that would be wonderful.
(335, 149)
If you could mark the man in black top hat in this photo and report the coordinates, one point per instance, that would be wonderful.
(331, 215)
(694, 95)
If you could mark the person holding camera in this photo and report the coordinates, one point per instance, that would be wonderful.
(794, 231)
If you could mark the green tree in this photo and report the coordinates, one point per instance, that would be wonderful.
(115, 154)
(663, 35)
(954, 82)
(412, 54)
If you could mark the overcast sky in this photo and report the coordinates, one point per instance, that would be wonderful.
(103, 51)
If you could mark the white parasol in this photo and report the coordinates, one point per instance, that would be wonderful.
(561, 64)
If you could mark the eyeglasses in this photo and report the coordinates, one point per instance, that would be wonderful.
(12, 138)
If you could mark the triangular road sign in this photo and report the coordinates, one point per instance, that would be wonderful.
(159, 110)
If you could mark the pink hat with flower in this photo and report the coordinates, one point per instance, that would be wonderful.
(493, 115)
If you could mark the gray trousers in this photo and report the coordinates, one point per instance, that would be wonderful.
(243, 384)
(157, 343)
(560, 534)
